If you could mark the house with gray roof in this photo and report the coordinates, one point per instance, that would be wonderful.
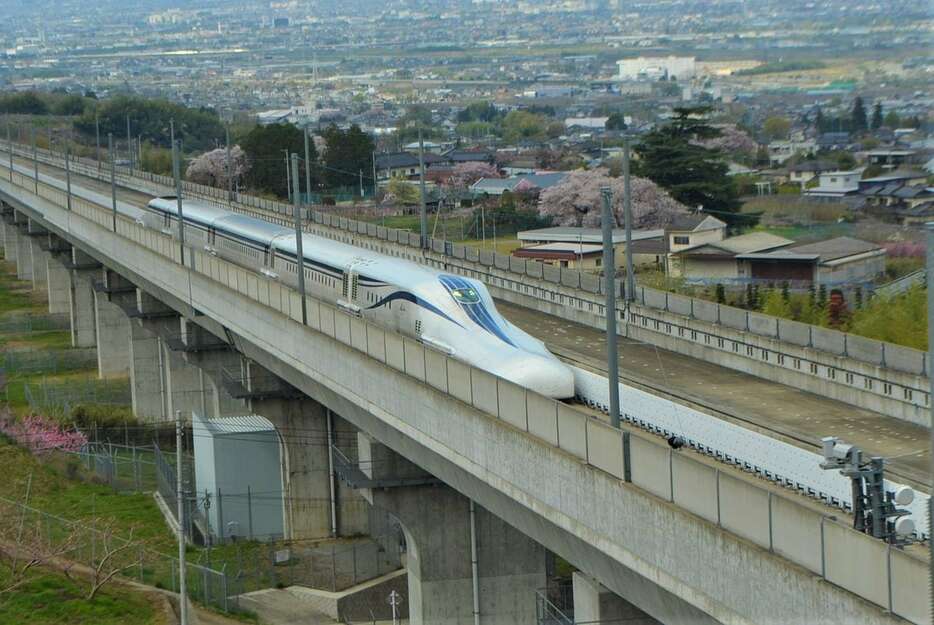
(717, 261)
(841, 261)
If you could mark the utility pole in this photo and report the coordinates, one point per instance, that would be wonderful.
(307, 165)
(97, 135)
(176, 172)
(362, 192)
(67, 174)
(230, 195)
(288, 176)
(9, 145)
(374, 174)
(299, 252)
(180, 500)
(627, 211)
(423, 209)
(930, 314)
(35, 158)
(129, 143)
(609, 274)
(113, 177)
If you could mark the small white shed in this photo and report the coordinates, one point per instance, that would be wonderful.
(238, 476)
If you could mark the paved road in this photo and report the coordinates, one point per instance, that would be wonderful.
(793, 415)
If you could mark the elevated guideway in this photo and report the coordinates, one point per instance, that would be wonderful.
(785, 412)
(685, 538)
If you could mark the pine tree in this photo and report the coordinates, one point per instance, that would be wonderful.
(876, 116)
(858, 115)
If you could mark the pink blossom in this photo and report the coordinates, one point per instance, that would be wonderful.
(732, 140)
(908, 249)
(41, 435)
(576, 201)
(465, 174)
(211, 167)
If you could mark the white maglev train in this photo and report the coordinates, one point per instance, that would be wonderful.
(449, 313)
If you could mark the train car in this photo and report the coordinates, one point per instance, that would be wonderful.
(446, 312)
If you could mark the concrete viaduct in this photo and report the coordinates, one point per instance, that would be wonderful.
(669, 534)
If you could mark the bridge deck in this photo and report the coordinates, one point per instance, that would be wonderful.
(784, 412)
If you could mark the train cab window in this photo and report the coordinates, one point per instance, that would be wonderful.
(465, 296)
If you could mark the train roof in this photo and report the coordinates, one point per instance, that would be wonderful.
(251, 228)
(195, 211)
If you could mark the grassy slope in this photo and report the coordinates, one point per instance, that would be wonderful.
(50, 598)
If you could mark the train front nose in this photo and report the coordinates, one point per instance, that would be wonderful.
(546, 376)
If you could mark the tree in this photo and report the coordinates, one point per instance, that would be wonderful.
(465, 174)
(732, 141)
(265, 148)
(776, 127)
(616, 121)
(70, 105)
(198, 129)
(211, 167)
(877, 119)
(481, 111)
(348, 152)
(858, 115)
(519, 125)
(694, 175)
(402, 192)
(576, 201)
(28, 103)
(820, 122)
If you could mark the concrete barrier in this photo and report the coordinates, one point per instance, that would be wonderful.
(327, 316)
(414, 359)
(501, 261)
(796, 533)
(358, 329)
(605, 448)
(590, 283)
(794, 332)
(572, 431)
(395, 351)
(551, 273)
(436, 373)
(846, 553)
(342, 328)
(706, 311)
(909, 587)
(512, 404)
(744, 510)
(517, 265)
(472, 254)
(655, 299)
(487, 257)
(763, 325)
(459, 380)
(680, 304)
(694, 487)
(904, 359)
(543, 417)
(828, 340)
(376, 343)
(862, 348)
(483, 390)
(649, 464)
(733, 318)
(533, 268)
(570, 277)
(458, 251)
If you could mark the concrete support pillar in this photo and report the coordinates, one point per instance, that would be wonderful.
(112, 297)
(81, 309)
(147, 380)
(302, 426)
(23, 257)
(593, 603)
(10, 234)
(184, 384)
(38, 258)
(436, 521)
(58, 284)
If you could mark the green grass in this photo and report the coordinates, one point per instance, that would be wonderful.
(50, 598)
(16, 295)
(44, 340)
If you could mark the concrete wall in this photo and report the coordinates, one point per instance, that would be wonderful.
(654, 554)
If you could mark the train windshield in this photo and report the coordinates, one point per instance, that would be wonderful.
(465, 296)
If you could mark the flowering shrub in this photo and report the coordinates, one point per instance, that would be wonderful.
(41, 435)
(903, 249)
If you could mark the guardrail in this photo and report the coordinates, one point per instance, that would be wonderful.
(772, 520)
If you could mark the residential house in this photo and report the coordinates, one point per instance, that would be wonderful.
(498, 186)
(403, 164)
(717, 261)
(889, 158)
(693, 229)
(833, 141)
(582, 248)
(835, 262)
(781, 151)
(806, 171)
(456, 156)
(835, 185)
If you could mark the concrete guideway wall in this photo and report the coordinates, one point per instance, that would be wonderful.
(882, 377)
(475, 451)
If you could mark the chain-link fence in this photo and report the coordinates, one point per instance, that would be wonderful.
(45, 537)
(49, 361)
(125, 468)
(62, 396)
(33, 322)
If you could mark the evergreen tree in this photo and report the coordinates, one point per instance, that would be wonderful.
(876, 116)
(820, 122)
(892, 120)
(349, 152)
(858, 115)
(693, 174)
(265, 148)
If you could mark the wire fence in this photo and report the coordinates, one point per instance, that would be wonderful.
(46, 536)
(33, 322)
(60, 398)
(125, 468)
(48, 362)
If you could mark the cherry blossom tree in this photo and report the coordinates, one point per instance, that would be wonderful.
(211, 167)
(576, 201)
(42, 435)
(465, 174)
(732, 141)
